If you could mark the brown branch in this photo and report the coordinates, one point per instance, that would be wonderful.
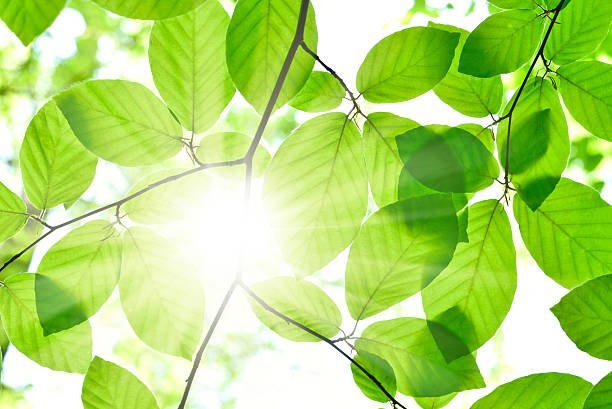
(328, 341)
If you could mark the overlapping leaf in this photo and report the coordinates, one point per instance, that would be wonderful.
(585, 315)
(472, 96)
(55, 166)
(539, 142)
(77, 275)
(68, 351)
(322, 92)
(13, 213)
(418, 359)
(149, 9)
(301, 301)
(316, 191)
(187, 59)
(109, 386)
(570, 234)
(472, 296)
(121, 121)
(435, 403)
(502, 43)
(29, 18)
(161, 295)
(545, 390)
(399, 250)
(380, 369)
(406, 64)
(258, 39)
(586, 88)
(601, 394)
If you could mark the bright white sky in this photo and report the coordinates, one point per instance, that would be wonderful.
(305, 375)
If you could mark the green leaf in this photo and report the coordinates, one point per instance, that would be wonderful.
(258, 39)
(502, 43)
(13, 213)
(55, 167)
(585, 314)
(435, 403)
(77, 275)
(569, 235)
(544, 390)
(471, 96)
(420, 366)
(149, 9)
(68, 351)
(176, 200)
(582, 28)
(322, 92)
(539, 142)
(586, 88)
(399, 250)
(316, 191)
(161, 296)
(29, 18)
(187, 59)
(406, 64)
(228, 146)
(299, 300)
(121, 121)
(447, 159)
(380, 369)
(472, 296)
(601, 395)
(109, 386)
(382, 157)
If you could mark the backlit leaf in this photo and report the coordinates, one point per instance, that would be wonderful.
(29, 18)
(322, 92)
(380, 369)
(13, 213)
(149, 9)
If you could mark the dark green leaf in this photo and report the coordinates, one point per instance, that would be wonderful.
(380, 369)
(399, 250)
(121, 121)
(502, 43)
(585, 315)
(258, 39)
(447, 159)
(187, 59)
(569, 235)
(406, 64)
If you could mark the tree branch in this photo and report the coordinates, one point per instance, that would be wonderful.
(312, 332)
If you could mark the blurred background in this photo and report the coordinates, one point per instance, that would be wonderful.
(246, 365)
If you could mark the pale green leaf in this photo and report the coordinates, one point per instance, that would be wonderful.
(316, 191)
(581, 28)
(109, 386)
(176, 200)
(601, 395)
(228, 146)
(399, 250)
(569, 235)
(472, 296)
(322, 92)
(544, 390)
(29, 18)
(77, 275)
(299, 300)
(585, 314)
(13, 213)
(149, 9)
(406, 64)
(586, 88)
(447, 159)
(258, 39)
(471, 96)
(417, 358)
(435, 403)
(539, 142)
(68, 351)
(187, 59)
(121, 121)
(55, 166)
(502, 43)
(380, 369)
(382, 157)
(161, 295)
